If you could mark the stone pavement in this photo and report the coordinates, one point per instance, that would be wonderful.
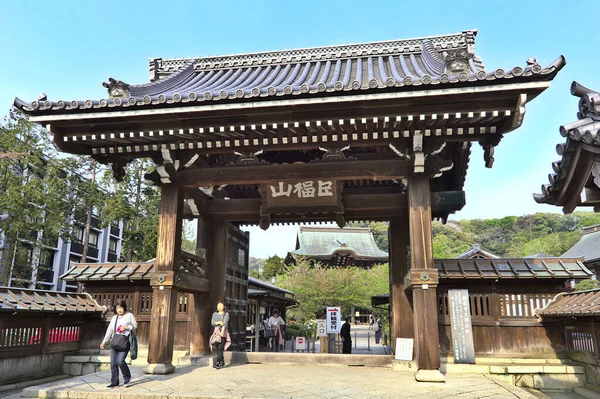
(268, 381)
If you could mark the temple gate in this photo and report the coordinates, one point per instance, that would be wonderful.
(382, 130)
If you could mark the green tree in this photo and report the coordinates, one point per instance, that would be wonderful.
(274, 266)
(135, 201)
(36, 195)
(316, 287)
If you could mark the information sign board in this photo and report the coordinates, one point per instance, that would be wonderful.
(334, 319)
(460, 323)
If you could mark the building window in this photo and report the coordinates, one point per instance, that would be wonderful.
(93, 239)
(46, 266)
(21, 270)
(79, 234)
(112, 246)
(75, 259)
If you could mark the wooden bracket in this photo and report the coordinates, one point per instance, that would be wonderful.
(421, 278)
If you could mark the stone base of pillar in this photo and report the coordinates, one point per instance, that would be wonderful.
(159, 368)
(403, 365)
(198, 361)
(429, 376)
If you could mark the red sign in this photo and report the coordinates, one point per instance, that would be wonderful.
(300, 340)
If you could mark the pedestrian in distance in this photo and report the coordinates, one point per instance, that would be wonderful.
(275, 324)
(346, 337)
(220, 336)
(377, 326)
(117, 334)
(371, 321)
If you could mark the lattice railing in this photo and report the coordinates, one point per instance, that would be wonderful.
(581, 341)
(192, 264)
(522, 305)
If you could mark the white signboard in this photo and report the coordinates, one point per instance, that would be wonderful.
(404, 349)
(300, 343)
(334, 319)
(321, 328)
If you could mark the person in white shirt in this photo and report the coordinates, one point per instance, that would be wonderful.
(117, 334)
(275, 322)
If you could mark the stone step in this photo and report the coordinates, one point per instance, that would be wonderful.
(309, 358)
(24, 384)
(511, 360)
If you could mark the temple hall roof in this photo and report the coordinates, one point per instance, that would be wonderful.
(327, 242)
(409, 64)
(588, 246)
(476, 252)
(575, 180)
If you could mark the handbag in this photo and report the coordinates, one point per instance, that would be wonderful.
(269, 333)
(215, 338)
(119, 342)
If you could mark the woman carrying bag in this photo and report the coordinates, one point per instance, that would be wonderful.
(220, 337)
(117, 334)
(274, 324)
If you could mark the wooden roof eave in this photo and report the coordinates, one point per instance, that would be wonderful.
(77, 119)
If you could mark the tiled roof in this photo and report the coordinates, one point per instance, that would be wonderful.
(18, 299)
(328, 241)
(401, 64)
(108, 271)
(476, 251)
(584, 131)
(588, 246)
(584, 303)
(562, 268)
(267, 285)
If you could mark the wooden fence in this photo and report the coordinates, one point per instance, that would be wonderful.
(504, 324)
(139, 302)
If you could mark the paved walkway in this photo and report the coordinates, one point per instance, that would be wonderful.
(250, 381)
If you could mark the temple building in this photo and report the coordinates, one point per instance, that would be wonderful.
(475, 252)
(332, 246)
(361, 132)
(588, 247)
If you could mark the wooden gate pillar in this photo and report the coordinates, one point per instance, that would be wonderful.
(423, 279)
(165, 294)
(211, 239)
(402, 323)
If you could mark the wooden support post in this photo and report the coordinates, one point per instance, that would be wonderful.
(401, 307)
(427, 341)
(256, 326)
(165, 297)
(202, 308)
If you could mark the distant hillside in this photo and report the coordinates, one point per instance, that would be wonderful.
(511, 236)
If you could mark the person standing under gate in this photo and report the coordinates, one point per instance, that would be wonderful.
(377, 327)
(346, 338)
(371, 320)
(220, 321)
(117, 334)
(274, 324)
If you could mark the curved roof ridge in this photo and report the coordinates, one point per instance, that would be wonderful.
(467, 37)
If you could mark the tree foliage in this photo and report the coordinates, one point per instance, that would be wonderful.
(36, 194)
(316, 287)
(274, 266)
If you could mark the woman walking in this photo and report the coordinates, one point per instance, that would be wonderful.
(275, 322)
(220, 320)
(117, 334)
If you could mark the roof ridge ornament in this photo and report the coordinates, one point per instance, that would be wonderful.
(589, 103)
(116, 88)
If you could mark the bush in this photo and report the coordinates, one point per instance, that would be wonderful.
(585, 285)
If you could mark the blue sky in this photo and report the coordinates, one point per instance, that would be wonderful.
(66, 49)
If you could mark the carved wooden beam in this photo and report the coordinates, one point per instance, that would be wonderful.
(384, 205)
(388, 169)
